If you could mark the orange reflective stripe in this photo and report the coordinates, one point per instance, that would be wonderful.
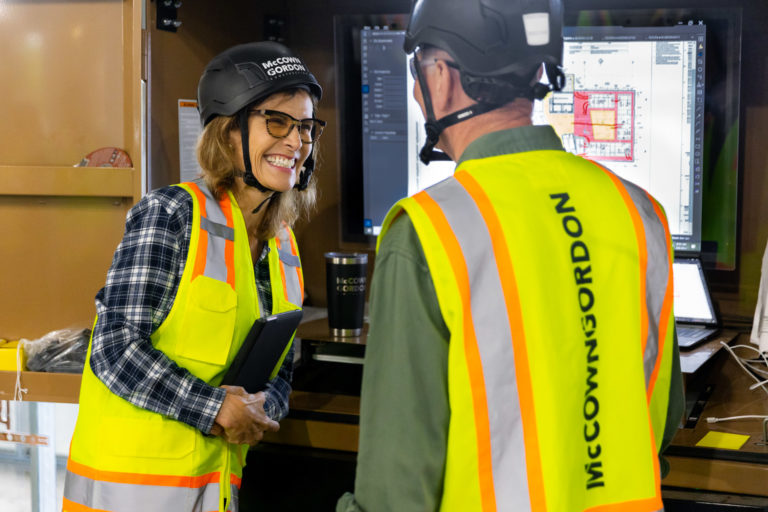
(295, 252)
(71, 506)
(514, 312)
(229, 245)
(200, 198)
(647, 505)
(666, 308)
(193, 482)
(202, 244)
(642, 251)
(474, 365)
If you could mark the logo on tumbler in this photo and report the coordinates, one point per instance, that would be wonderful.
(350, 284)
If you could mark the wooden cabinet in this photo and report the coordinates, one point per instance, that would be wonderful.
(71, 84)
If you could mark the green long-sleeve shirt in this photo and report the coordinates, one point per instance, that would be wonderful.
(404, 402)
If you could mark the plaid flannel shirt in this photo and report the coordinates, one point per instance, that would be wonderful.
(140, 289)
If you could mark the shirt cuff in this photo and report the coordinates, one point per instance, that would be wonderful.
(201, 405)
(347, 503)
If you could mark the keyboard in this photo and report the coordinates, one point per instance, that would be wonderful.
(688, 336)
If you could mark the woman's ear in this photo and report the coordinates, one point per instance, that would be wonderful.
(235, 145)
(234, 137)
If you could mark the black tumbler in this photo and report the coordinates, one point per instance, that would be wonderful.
(345, 276)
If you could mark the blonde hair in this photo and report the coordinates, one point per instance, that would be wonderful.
(217, 159)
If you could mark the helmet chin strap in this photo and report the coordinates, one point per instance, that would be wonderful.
(305, 173)
(434, 127)
(248, 176)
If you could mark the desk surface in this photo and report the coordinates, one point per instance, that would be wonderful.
(742, 471)
(691, 360)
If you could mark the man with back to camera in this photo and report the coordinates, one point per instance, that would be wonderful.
(521, 352)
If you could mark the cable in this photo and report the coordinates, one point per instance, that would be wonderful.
(740, 362)
(764, 373)
(712, 419)
(758, 383)
(18, 391)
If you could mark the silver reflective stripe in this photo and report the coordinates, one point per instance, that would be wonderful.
(220, 230)
(657, 273)
(215, 224)
(291, 265)
(234, 505)
(288, 258)
(494, 340)
(214, 214)
(292, 286)
(120, 497)
(215, 264)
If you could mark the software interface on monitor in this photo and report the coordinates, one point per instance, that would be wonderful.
(393, 128)
(634, 101)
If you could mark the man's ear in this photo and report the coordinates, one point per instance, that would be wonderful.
(448, 94)
(443, 89)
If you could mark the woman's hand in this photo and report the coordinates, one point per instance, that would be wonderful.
(241, 418)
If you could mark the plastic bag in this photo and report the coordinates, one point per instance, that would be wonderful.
(58, 351)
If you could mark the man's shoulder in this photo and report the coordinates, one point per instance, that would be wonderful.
(402, 241)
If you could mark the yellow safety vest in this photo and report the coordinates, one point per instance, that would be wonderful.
(125, 458)
(554, 278)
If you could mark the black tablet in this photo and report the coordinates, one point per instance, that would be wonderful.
(261, 351)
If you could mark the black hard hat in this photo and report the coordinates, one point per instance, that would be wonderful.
(490, 37)
(248, 73)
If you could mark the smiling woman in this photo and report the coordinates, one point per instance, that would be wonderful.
(283, 152)
(199, 263)
(290, 93)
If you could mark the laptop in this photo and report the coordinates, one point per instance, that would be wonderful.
(694, 314)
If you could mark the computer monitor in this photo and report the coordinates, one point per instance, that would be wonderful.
(721, 149)
(380, 125)
(392, 127)
(634, 101)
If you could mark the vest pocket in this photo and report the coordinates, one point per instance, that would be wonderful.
(156, 437)
(209, 322)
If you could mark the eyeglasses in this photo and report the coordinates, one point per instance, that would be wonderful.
(429, 62)
(280, 125)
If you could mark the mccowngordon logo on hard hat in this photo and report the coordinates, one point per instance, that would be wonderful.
(283, 65)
